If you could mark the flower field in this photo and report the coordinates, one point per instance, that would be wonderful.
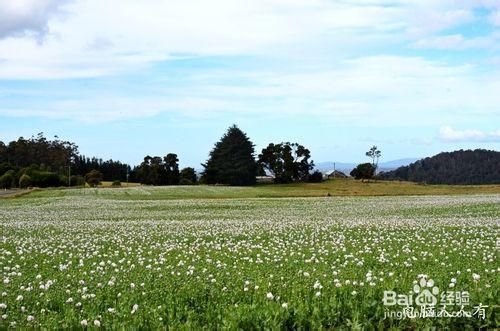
(116, 260)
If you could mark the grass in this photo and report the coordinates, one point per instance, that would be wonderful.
(122, 184)
(111, 258)
(338, 187)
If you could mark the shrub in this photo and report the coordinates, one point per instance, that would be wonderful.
(316, 177)
(44, 178)
(116, 183)
(363, 171)
(185, 181)
(7, 180)
(24, 181)
(5, 166)
(77, 180)
(189, 176)
(93, 178)
(63, 180)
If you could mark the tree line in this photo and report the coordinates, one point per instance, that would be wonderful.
(41, 162)
(466, 167)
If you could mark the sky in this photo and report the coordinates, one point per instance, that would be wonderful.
(126, 78)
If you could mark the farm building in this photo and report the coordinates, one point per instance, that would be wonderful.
(337, 174)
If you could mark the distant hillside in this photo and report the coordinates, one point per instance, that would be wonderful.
(460, 167)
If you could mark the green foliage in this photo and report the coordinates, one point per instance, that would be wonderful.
(7, 180)
(188, 176)
(54, 154)
(159, 171)
(116, 183)
(288, 162)
(24, 181)
(231, 161)
(77, 180)
(63, 180)
(460, 167)
(316, 177)
(42, 178)
(110, 169)
(185, 181)
(5, 166)
(171, 163)
(93, 178)
(363, 171)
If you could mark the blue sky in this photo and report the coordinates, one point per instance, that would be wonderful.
(124, 78)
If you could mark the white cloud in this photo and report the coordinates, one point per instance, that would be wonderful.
(342, 85)
(96, 37)
(19, 17)
(368, 91)
(101, 37)
(449, 134)
(458, 41)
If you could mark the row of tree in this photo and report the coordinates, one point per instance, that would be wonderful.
(164, 171)
(39, 161)
(459, 167)
(111, 170)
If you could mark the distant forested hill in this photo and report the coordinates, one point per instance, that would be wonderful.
(460, 167)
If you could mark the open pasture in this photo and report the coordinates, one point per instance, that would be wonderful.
(113, 259)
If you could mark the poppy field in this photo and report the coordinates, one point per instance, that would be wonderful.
(111, 259)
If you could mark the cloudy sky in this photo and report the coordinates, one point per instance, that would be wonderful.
(126, 78)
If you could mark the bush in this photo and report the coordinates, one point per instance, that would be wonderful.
(77, 180)
(44, 179)
(363, 171)
(189, 176)
(185, 181)
(24, 181)
(63, 180)
(4, 167)
(93, 178)
(316, 177)
(7, 180)
(116, 183)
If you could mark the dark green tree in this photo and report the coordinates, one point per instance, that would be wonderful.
(144, 171)
(55, 155)
(171, 165)
(316, 177)
(111, 170)
(7, 180)
(363, 171)
(159, 171)
(231, 161)
(459, 167)
(188, 176)
(3, 153)
(4, 167)
(287, 162)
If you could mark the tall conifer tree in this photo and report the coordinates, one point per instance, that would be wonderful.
(231, 161)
